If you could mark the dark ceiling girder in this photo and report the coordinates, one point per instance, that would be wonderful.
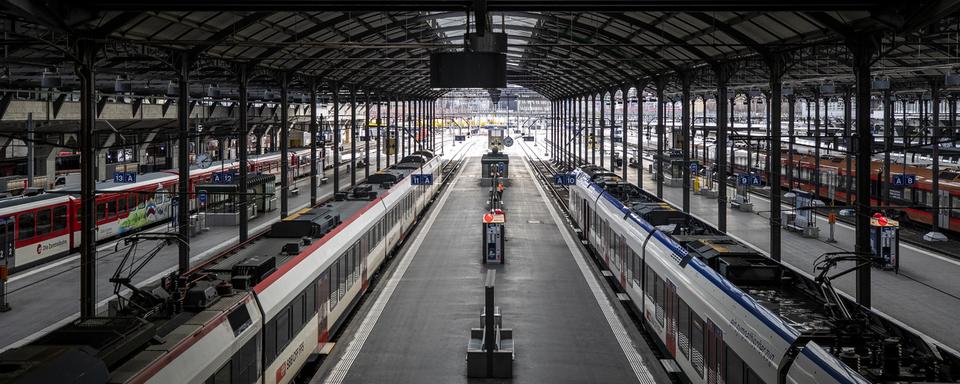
(230, 30)
(492, 5)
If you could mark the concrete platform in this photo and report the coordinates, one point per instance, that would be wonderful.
(549, 298)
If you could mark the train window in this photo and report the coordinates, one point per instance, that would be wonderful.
(111, 208)
(121, 205)
(43, 222)
(683, 325)
(752, 377)
(334, 283)
(270, 341)
(246, 363)
(660, 297)
(283, 329)
(696, 343)
(101, 211)
(25, 224)
(59, 218)
(132, 201)
(310, 306)
(222, 376)
(342, 272)
(323, 290)
(649, 289)
(297, 312)
(734, 368)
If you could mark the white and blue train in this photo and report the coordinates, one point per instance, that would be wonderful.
(728, 314)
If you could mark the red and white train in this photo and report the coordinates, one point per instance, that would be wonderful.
(48, 225)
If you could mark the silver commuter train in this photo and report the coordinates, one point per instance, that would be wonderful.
(715, 315)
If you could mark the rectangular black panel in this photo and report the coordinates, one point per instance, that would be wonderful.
(468, 70)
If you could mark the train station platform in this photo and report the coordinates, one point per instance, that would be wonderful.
(924, 296)
(567, 324)
(45, 297)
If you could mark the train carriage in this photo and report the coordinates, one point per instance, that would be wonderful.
(726, 313)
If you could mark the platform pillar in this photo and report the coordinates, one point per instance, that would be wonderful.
(284, 144)
(888, 134)
(335, 92)
(777, 70)
(183, 161)
(603, 126)
(661, 84)
(863, 47)
(847, 119)
(366, 133)
(87, 53)
(640, 87)
(685, 135)
(353, 136)
(613, 129)
(313, 142)
(379, 101)
(722, 74)
(243, 135)
(935, 152)
(791, 110)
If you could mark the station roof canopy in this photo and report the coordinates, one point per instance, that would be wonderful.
(557, 48)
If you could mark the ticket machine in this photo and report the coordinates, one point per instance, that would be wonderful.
(494, 237)
(885, 242)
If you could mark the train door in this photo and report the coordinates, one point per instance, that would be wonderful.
(323, 299)
(943, 216)
(623, 261)
(715, 360)
(670, 307)
(585, 219)
(364, 249)
(832, 180)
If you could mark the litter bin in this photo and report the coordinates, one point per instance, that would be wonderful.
(885, 242)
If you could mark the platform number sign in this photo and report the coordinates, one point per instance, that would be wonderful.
(564, 179)
(222, 177)
(202, 197)
(693, 167)
(501, 167)
(124, 177)
(904, 180)
(421, 179)
(748, 179)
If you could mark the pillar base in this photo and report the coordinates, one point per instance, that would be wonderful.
(934, 236)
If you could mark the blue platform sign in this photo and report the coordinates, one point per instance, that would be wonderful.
(202, 197)
(222, 177)
(421, 179)
(693, 167)
(564, 179)
(748, 179)
(501, 166)
(460, 138)
(124, 177)
(904, 180)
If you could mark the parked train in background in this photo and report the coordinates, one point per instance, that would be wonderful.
(47, 225)
(910, 204)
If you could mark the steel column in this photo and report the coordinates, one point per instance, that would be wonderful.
(935, 152)
(183, 159)
(602, 127)
(685, 135)
(366, 133)
(791, 111)
(884, 177)
(720, 157)
(624, 136)
(776, 126)
(661, 84)
(313, 142)
(379, 129)
(336, 136)
(87, 55)
(243, 137)
(284, 144)
(863, 51)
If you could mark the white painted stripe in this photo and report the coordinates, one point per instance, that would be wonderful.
(339, 372)
(623, 338)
